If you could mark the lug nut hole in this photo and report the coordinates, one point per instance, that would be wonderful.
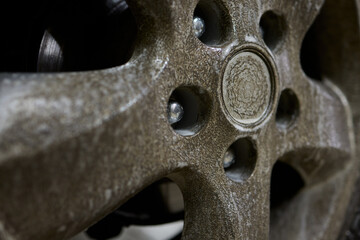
(240, 159)
(188, 110)
(288, 109)
(211, 22)
(272, 28)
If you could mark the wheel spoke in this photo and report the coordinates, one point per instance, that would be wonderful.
(216, 206)
(91, 140)
(253, 207)
(299, 15)
(210, 209)
(313, 132)
(244, 15)
(75, 146)
(163, 21)
(318, 142)
(313, 209)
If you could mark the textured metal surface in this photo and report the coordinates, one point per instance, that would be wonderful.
(248, 87)
(75, 146)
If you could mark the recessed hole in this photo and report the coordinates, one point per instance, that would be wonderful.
(54, 36)
(158, 207)
(309, 54)
(286, 182)
(272, 27)
(288, 109)
(215, 20)
(240, 160)
(195, 105)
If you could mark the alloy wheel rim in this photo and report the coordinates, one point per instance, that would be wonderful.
(75, 146)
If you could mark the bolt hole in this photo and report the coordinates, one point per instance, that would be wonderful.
(215, 20)
(272, 28)
(240, 160)
(288, 109)
(193, 109)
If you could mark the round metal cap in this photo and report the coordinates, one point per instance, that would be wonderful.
(247, 87)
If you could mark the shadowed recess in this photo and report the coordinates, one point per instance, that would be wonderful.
(272, 28)
(60, 36)
(217, 23)
(288, 109)
(160, 203)
(196, 105)
(286, 182)
(240, 160)
(309, 54)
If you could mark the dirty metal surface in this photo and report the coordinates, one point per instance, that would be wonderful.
(247, 86)
(75, 146)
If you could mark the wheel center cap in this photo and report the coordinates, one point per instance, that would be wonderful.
(247, 87)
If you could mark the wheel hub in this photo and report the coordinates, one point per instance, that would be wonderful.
(248, 86)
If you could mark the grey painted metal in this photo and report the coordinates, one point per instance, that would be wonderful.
(75, 146)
